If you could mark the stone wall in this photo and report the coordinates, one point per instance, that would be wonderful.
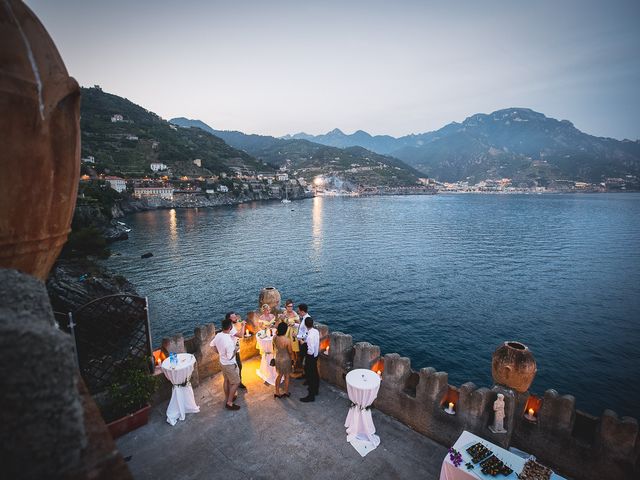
(572, 442)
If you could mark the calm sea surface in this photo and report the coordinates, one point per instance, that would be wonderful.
(441, 279)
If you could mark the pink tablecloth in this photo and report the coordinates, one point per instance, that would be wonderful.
(465, 440)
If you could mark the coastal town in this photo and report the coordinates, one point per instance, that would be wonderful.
(161, 185)
(508, 185)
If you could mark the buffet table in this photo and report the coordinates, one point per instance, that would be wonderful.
(362, 387)
(182, 399)
(264, 343)
(450, 472)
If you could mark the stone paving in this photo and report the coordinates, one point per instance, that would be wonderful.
(273, 438)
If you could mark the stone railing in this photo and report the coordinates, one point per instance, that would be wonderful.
(572, 442)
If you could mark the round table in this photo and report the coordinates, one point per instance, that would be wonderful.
(362, 388)
(182, 399)
(265, 345)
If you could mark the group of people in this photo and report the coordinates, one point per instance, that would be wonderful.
(296, 344)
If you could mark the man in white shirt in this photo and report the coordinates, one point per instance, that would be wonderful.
(237, 331)
(225, 344)
(303, 313)
(311, 360)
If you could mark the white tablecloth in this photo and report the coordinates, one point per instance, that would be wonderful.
(182, 400)
(451, 472)
(266, 372)
(362, 387)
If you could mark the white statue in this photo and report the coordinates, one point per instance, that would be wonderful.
(498, 421)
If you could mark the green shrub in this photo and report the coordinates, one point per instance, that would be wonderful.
(131, 390)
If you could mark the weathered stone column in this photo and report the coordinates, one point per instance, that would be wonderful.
(558, 413)
(175, 344)
(617, 437)
(202, 337)
(332, 368)
(365, 355)
(42, 432)
(474, 406)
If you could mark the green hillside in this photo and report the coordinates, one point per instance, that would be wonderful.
(114, 147)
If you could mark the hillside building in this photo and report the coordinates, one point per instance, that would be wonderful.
(158, 192)
(158, 167)
(117, 118)
(117, 183)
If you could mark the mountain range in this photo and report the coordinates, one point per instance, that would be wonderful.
(518, 143)
(353, 164)
(514, 142)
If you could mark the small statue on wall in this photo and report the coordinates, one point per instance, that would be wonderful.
(498, 421)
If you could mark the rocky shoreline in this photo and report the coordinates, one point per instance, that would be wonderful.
(76, 282)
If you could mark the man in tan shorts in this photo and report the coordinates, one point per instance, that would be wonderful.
(226, 347)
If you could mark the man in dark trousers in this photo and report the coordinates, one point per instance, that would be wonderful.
(311, 360)
(303, 312)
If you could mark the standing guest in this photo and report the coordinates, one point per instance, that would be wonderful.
(303, 312)
(283, 352)
(311, 360)
(293, 320)
(225, 345)
(266, 316)
(237, 331)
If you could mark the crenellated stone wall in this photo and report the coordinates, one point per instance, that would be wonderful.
(570, 441)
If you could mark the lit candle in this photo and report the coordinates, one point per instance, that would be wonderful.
(450, 405)
(531, 412)
(326, 352)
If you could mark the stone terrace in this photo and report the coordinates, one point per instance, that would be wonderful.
(273, 438)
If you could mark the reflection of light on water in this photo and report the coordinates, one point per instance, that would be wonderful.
(316, 216)
(173, 228)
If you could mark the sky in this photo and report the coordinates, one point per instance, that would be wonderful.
(277, 67)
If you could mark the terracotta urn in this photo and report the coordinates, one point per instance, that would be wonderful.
(513, 366)
(270, 296)
(40, 138)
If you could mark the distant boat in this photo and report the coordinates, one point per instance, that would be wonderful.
(286, 195)
(126, 229)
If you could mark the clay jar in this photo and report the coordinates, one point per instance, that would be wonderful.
(40, 138)
(270, 296)
(513, 366)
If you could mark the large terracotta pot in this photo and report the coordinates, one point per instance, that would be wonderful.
(513, 366)
(40, 139)
(270, 296)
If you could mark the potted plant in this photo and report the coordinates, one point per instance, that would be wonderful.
(129, 395)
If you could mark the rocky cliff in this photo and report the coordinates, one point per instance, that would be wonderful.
(75, 282)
